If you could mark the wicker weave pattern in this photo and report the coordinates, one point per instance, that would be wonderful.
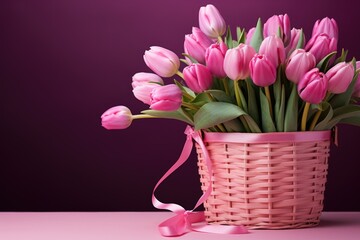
(265, 185)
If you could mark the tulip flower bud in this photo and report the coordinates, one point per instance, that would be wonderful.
(276, 22)
(321, 45)
(214, 58)
(236, 61)
(162, 61)
(327, 26)
(295, 37)
(262, 71)
(356, 92)
(195, 44)
(340, 77)
(298, 64)
(118, 117)
(273, 48)
(249, 35)
(142, 92)
(211, 22)
(313, 86)
(197, 77)
(142, 78)
(166, 98)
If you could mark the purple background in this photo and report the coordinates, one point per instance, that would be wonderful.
(63, 63)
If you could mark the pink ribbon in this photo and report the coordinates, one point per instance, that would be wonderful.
(187, 221)
(267, 137)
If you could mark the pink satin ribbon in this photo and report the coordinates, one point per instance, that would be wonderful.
(267, 137)
(187, 221)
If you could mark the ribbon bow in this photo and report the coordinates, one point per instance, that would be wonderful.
(184, 221)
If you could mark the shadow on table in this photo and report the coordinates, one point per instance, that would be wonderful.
(339, 222)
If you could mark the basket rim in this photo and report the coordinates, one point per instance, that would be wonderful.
(272, 137)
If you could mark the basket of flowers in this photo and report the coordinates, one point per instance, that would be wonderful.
(262, 107)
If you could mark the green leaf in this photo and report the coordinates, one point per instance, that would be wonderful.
(342, 57)
(291, 112)
(228, 38)
(186, 91)
(234, 126)
(279, 107)
(267, 122)
(177, 115)
(343, 113)
(257, 38)
(190, 57)
(300, 43)
(214, 113)
(200, 100)
(240, 35)
(220, 95)
(351, 121)
(328, 113)
(323, 64)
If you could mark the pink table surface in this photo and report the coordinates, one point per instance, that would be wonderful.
(143, 225)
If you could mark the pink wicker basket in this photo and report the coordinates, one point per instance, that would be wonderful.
(269, 180)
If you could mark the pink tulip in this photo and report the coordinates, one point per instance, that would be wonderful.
(340, 77)
(142, 78)
(249, 35)
(262, 71)
(143, 92)
(162, 61)
(295, 37)
(276, 22)
(211, 22)
(166, 98)
(195, 44)
(321, 45)
(197, 77)
(118, 117)
(356, 92)
(214, 58)
(313, 86)
(298, 64)
(236, 61)
(327, 26)
(273, 48)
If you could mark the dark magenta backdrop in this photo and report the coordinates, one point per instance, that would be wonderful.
(63, 63)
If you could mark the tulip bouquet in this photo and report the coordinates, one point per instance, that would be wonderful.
(266, 79)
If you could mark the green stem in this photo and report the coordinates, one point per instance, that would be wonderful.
(237, 90)
(140, 116)
(221, 128)
(327, 97)
(267, 94)
(304, 116)
(185, 104)
(180, 74)
(187, 95)
(226, 86)
(237, 93)
(314, 121)
(210, 96)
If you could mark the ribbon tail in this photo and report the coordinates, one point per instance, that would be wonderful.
(174, 226)
(186, 221)
(186, 151)
(220, 229)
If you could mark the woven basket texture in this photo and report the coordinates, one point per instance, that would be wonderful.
(265, 185)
